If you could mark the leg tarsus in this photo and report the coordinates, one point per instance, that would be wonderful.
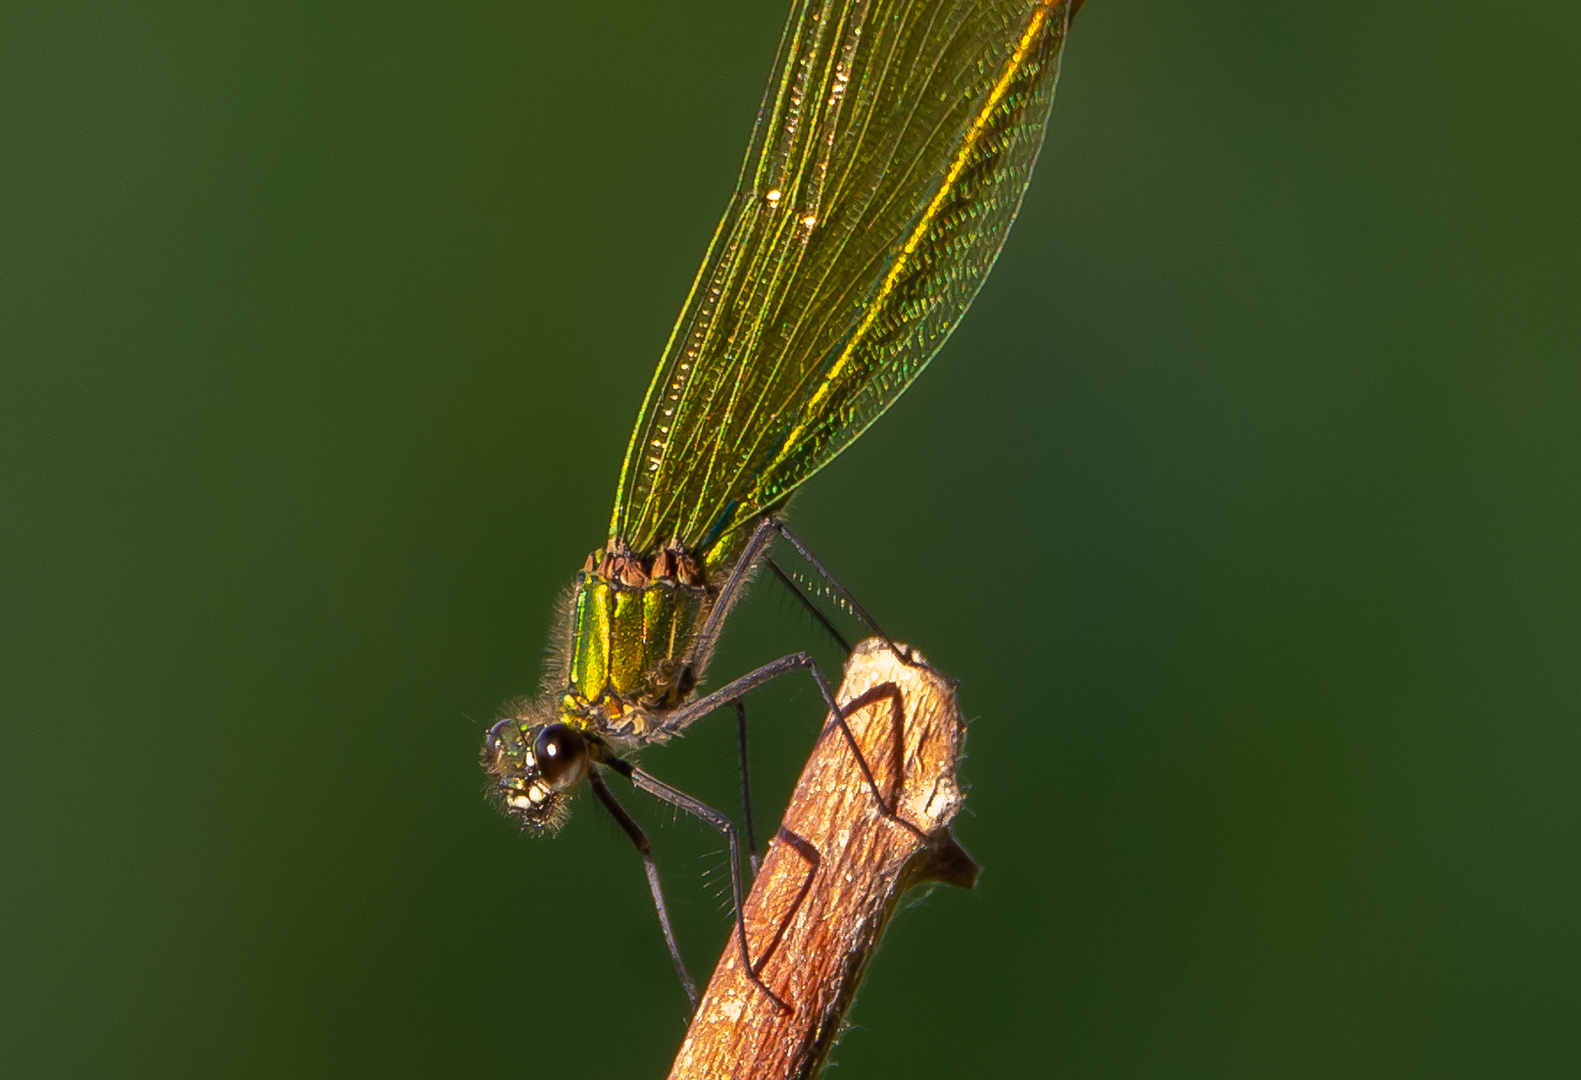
(898, 750)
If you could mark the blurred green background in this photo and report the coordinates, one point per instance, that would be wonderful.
(1244, 504)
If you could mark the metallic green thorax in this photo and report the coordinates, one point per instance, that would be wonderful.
(633, 630)
(627, 641)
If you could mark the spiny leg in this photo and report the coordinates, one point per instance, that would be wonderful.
(845, 594)
(707, 814)
(741, 573)
(730, 591)
(800, 594)
(730, 692)
(746, 786)
(762, 533)
(638, 837)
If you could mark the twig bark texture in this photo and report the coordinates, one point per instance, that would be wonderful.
(834, 872)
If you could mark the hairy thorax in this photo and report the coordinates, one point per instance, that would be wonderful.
(633, 623)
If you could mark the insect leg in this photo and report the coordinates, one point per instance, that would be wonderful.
(845, 594)
(638, 837)
(800, 594)
(696, 710)
(732, 694)
(730, 592)
(707, 814)
(746, 786)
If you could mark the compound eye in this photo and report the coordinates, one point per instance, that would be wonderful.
(561, 753)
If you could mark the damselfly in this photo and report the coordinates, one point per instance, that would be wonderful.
(887, 164)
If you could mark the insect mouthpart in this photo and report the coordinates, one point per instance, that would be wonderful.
(519, 788)
(534, 769)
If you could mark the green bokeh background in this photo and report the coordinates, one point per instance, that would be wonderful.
(1244, 504)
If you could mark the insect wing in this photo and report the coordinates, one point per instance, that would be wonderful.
(885, 170)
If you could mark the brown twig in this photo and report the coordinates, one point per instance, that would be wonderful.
(835, 871)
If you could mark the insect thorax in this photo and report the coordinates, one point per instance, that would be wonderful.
(633, 626)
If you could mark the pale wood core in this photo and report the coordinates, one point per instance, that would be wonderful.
(834, 872)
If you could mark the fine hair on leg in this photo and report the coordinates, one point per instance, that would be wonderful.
(845, 594)
(708, 815)
(746, 786)
(794, 587)
(729, 593)
(640, 839)
(691, 712)
(731, 694)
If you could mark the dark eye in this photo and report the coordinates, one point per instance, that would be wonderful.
(561, 753)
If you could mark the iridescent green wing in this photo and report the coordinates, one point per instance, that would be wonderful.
(886, 167)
